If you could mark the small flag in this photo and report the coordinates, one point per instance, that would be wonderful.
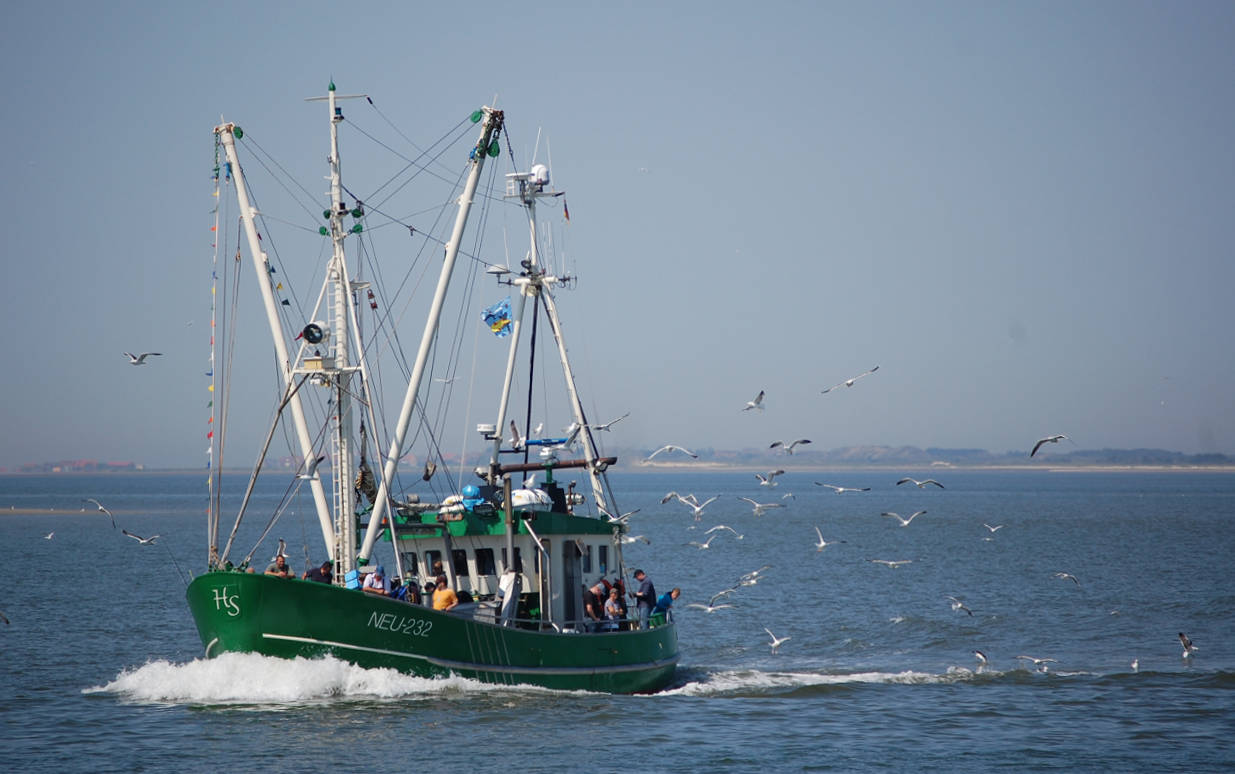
(497, 317)
(565, 209)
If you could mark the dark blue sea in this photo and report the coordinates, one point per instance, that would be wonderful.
(101, 669)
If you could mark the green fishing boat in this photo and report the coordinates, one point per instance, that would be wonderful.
(510, 542)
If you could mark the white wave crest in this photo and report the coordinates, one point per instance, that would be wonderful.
(246, 678)
(743, 681)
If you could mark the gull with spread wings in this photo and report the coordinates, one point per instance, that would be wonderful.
(849, 382)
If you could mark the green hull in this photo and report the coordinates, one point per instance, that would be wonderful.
(249, 613)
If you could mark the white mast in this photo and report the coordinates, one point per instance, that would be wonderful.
(491, 125)
(528, 187)
(337, 371)
(227, 134)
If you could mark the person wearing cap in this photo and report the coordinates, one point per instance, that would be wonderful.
(376, 582)
(323, 574)
(279, 568)
(444, 598)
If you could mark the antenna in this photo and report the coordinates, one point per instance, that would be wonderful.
(536, 147)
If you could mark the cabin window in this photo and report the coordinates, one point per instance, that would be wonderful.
(459, 560)
(484, 562)
(587, 557)
(433, 560)
(410, 565)
(603, 557)
(518, 560)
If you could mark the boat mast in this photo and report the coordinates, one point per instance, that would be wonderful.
(491, 125)
(336, 369)
(528, 187)
(228, 133)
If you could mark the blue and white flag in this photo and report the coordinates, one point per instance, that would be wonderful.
(497, 317)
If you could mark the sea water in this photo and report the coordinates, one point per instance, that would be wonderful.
(101, 667)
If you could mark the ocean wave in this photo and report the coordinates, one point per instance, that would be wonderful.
(251, 679)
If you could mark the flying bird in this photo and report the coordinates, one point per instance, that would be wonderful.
(709, 608)
(99, 505)
(626, 539)
(50, 535)
(760, 508)
(737, 534)
(770, 478)
(1066, 576)
(904, 522)
(1189, 648)
(1048, 439)
(993, 529)
(849, 382)
(144, 541)
(140, 359)
(705, 544)
(959, 605)
(697, 507)
(891, 563)
(843, 489)
(920, 484)
(671, 447)
(1040, 663)
(610, 423)
(789, 447)
(751, 578)
(776, 641)
(822, 544)
(757, 403)
(623, 519)
(981, 657)
(310, 472)
(516, 442)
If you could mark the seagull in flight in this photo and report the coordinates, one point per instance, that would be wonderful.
(776, 641)
(1066, 576)
(789, 447)
(904, 522)
(144, 541)
(1048, 439)
(757, 403)
(140, 359)
(919, 484)
(311, 471)
(610, 423)
(1189, 648)
(50, 535)
(981, 657)
(720, 594)
(959, 605)
(993, 529)
(822, 544)
(1040, 663)
(737, 534)
(770, 479)
(891, 563)
(99, 505)
(697, 507)
(849, 382)
(760, 508)
(709, 608)
(705, 544)
(623, 519)
(626, 539)
(751, 578)
(671, 447)
(843, 489)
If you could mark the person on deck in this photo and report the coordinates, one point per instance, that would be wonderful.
(613, 610)
(666, 601)
(593, 608)
(376, 582)
(444, 598)
(279, 568)
(645, 598)
(323, 574)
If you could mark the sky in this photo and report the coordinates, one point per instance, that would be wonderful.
(1019, 211)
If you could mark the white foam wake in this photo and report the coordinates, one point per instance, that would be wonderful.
(246, 678)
